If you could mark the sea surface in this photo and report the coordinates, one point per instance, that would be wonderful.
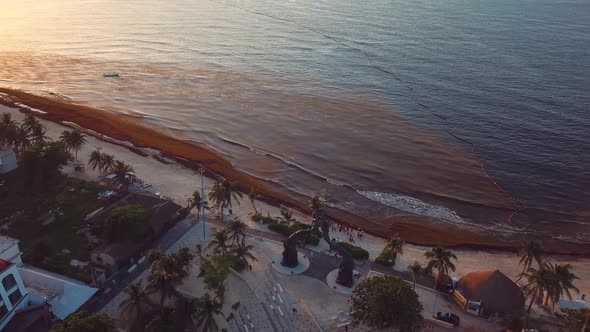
(474, 113)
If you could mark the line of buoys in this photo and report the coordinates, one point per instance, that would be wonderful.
(412, 95)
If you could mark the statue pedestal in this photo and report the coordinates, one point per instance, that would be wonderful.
(300, 268)
(331, 281)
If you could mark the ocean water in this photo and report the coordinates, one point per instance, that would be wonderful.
(461, 112)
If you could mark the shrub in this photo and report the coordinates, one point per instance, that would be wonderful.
(130, 222)
(312, 239)
(40, 250)
(258, 217)
(386, 258)
(280, 228)
(357, 252)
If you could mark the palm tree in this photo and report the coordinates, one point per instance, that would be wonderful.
(396, 244)
(561, 282)
(38, 133)
(316, 204)
(8, 130)
(440, 259)
(22, 139)
(529, 252)
(30, 122)
(252, 195)
(416, 270)
(196, 201)
(242, 252)
(136, 298)
(95, 160)
(120, 169)
(74, 140)
(222, 193)
(286, 217)
(219, 241)
(537, 282)
(206, 308)
(236, 230)
(166, 271)
(107, 162)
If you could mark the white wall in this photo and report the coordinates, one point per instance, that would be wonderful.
(4, 293)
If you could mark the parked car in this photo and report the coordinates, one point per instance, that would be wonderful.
(447, 317)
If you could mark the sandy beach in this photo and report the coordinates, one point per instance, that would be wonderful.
(143, 141)
(178, 181)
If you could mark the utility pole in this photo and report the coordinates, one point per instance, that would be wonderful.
(203, 203)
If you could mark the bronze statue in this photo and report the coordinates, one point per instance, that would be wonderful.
(346, 267)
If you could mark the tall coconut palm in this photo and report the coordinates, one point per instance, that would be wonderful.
(416, 270)
(207, 307)
(236, 230)
(137, 297)
(8, 130)
(219, 241)
(561, 283)
(30, 122)
(528, 253)
(22, 139)
(120, 169)
(167, 271)
(252, 195)
(107, 162)
(441, 260)
(315, 204)
(222, 193)
(73, 140)
(396, 244)
(242, 252)
(95, 160)
(538, 281)
(286, 217)
(196, 201)
(38, 133)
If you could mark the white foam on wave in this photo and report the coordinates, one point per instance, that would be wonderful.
(412, 205)
(30, 108)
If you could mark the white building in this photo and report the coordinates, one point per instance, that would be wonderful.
(13, 294)
(9, 250)
(7, 161)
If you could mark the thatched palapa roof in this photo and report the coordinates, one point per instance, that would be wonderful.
(496, 292)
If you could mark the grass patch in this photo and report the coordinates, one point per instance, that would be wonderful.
(20, 209)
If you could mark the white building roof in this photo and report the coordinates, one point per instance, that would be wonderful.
(6, 243)
(569, 304)
(64, 294)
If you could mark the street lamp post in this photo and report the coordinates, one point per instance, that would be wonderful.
(203, 203)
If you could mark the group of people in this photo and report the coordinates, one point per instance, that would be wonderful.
(349, 231)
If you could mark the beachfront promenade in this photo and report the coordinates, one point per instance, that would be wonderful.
(267, 298)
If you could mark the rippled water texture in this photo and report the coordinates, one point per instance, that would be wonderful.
(372, 102)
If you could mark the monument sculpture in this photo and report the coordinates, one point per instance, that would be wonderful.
(346, 267)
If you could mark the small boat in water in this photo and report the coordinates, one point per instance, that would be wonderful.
(111, 75)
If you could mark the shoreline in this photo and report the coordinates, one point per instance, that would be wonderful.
(123, 131)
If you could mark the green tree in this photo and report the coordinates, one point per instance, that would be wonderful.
(74, 140)
(167, 271)
(30, 122)
(164, 322)
(41, 164)
(396, 244)
(196, 201)
(315, 204)
(120, 169)
(243, 253)
(82, 321)
(38, 133)
(441, 260)
(386, 302)
(107, 162)
(214, 271)
(537, 282)
(206, 308)
(129, 222)
(136, 299)
(286, 217)
(22, 140)
(416, 270)
(253, 195)
(528, 253)
(95, 160)
(219, 241)
(8, 130)
(560, 283)
(222, 193)
(236, 230)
